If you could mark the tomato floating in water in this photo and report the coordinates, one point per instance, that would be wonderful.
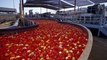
(49, 41)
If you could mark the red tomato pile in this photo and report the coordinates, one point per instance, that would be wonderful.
(49, 41)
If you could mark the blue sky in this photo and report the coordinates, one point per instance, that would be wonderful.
(9, 3)
(15, 4)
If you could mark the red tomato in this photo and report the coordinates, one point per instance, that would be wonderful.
(49, 41)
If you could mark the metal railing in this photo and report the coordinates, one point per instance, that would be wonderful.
(81, 19)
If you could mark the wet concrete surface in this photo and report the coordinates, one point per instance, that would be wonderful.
(99, 49)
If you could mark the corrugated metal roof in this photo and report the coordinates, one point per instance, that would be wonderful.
(58, 4)
(80, 2)
(51, 4)
(98, 1)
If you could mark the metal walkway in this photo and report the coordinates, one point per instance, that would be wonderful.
(91, 21)
(94, 21)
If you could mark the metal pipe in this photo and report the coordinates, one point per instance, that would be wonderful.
(21, 9)
(59, 4)
(74, 16)
(75, 5)
(22, 21)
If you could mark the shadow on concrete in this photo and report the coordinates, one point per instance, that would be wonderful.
(99, 49)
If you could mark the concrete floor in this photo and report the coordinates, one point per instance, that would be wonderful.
(99, 49)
